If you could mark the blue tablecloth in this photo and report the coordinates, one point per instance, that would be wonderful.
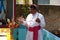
(20, 34)
(49, 36)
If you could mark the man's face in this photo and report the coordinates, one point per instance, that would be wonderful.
(32, 11)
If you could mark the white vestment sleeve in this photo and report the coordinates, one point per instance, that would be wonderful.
(42, 21)
(25, 22)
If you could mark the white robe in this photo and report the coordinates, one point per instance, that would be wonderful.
(30, 20)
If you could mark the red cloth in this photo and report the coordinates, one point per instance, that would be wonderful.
(35, 31)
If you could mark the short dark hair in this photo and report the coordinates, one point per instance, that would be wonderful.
(32, 7)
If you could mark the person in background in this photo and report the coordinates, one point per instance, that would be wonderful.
(3, 18)
(35, 23)
(2, 13)
(20, 30)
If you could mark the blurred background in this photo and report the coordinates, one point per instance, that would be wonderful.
(49, 8)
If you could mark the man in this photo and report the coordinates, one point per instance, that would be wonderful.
(35, 22)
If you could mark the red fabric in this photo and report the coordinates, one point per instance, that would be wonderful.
(14, 9)
(35, 31)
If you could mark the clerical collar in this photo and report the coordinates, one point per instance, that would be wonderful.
(34, 14)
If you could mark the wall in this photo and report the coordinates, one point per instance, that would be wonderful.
(52, 16)
(9, 8)
(55, 2)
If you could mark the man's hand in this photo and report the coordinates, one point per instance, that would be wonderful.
(20, 19)
(25, 24)
(38, 20)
